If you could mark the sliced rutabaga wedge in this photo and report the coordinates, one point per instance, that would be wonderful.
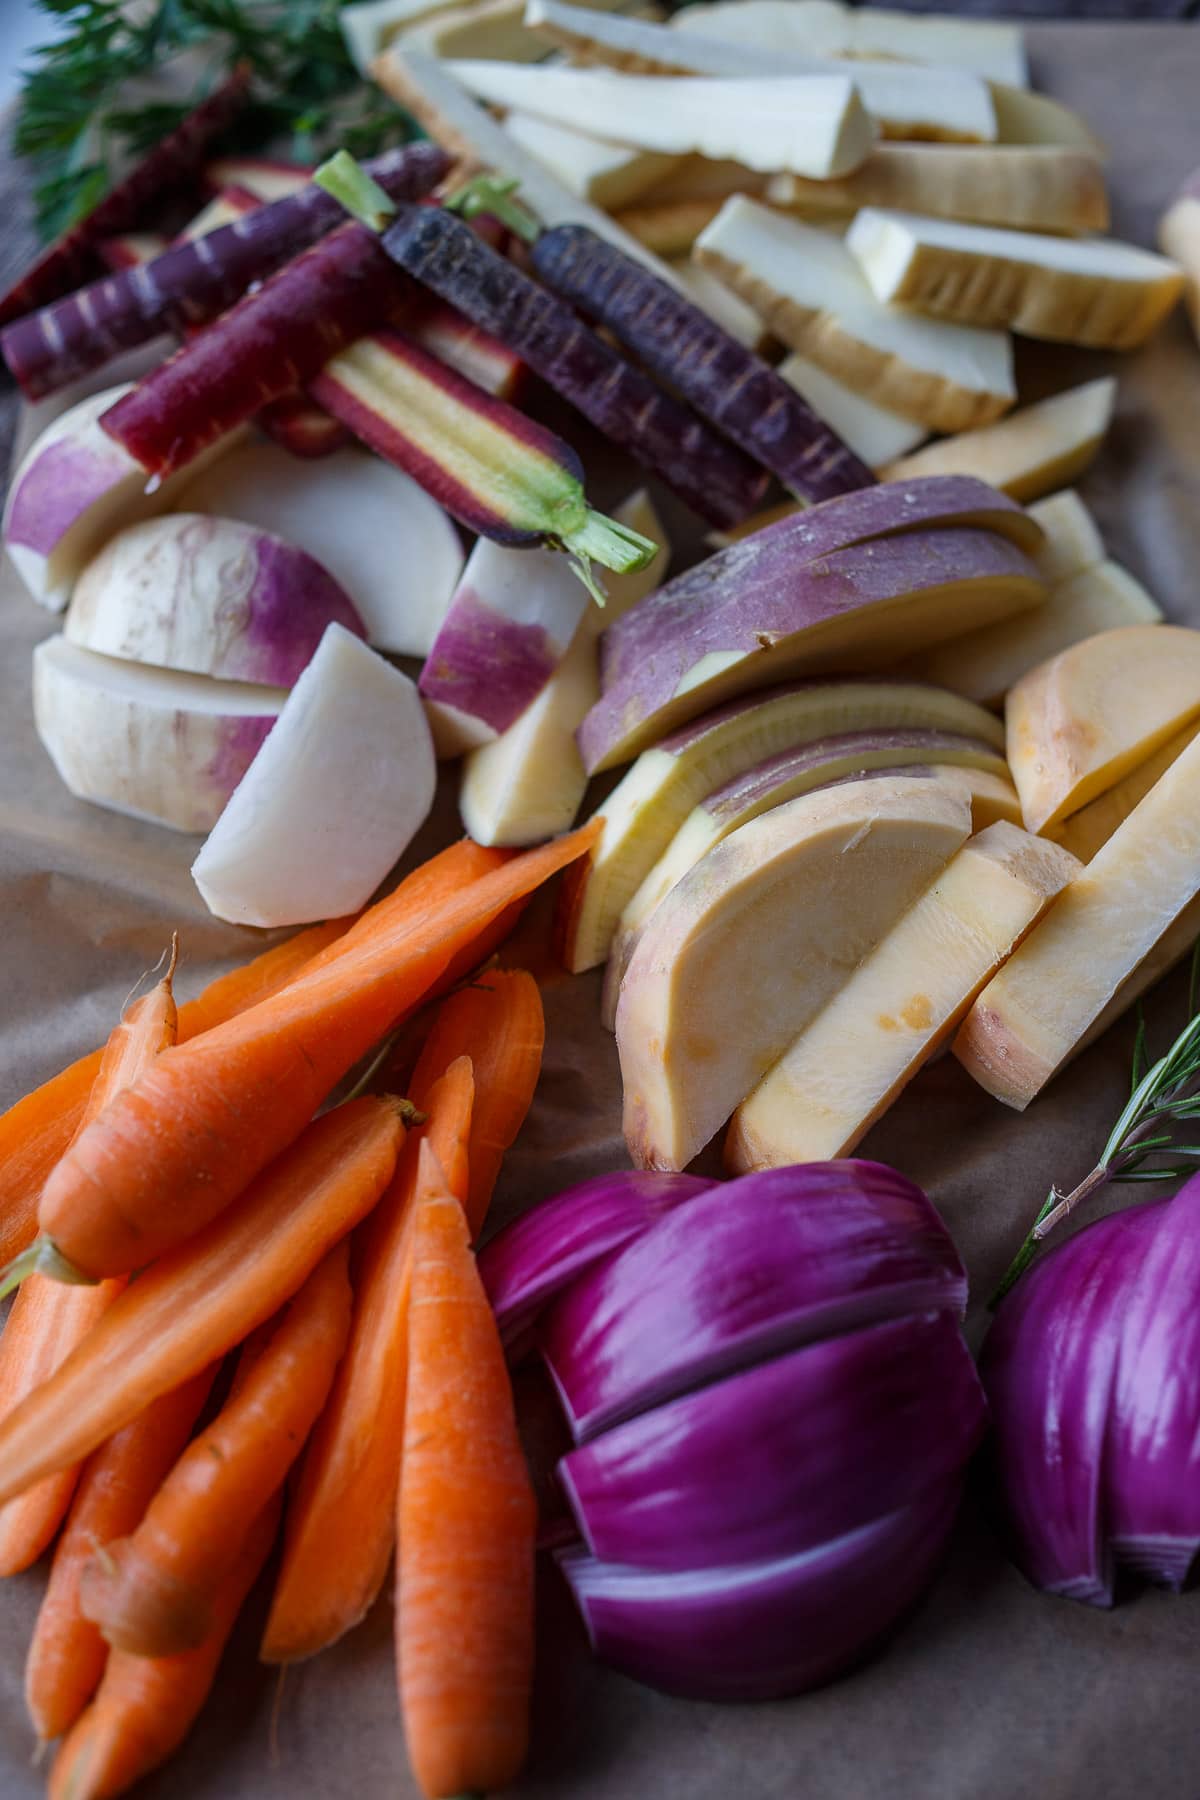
(900, 1004)
(611, 175)
(1027, 187)
(761, 934)
(647, 808)
(1084, 832)
(807, 287)
(812, 124)
(529, 783)
(331, 800)
(1092, 291)
(1078, 723)
(1072, 542)
(145, 741)
(984, 665)
(391, 546)
(1096, 946)
(907, 101)
(1032, 452)
(784, 777)
(1179, 238)
(872, 432)
(209, 596)
(74, 490)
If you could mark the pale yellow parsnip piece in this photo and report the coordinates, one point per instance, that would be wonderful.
(1179, 236)
(756, 939)
(1028, 454)
(1072, 540)
(1084, 832)
(899, 1005)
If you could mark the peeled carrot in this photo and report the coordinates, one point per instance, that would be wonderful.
(198, 1302)
(67, 1653)
(47, 1318)
(35, 1132)
(146, 1705)
(498, 1022)
(152, 1593)
(173, 1151)
(466, 1523)
(341, 1519)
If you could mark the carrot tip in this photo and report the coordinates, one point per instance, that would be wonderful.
(43, 1257)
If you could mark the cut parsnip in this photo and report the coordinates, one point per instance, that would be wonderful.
(907, 101)
(611, 175)
(732, 314)
(1037, 449)
(647, 808)
(1091, 291)
(529, 783)
(1078, 723)
(707, 178)
(812, 124)
(670, 227)
(1023, 117)
(1096, 946)
(985, 664)
(1072, 543)
(150, 742)
(810, 291)
(899, 1005)
(1084, 832)
(369, 27)
(1179, 238)
(1028, 188)
(872, 432)
(762, 933)
(487, 29)
(332, 799)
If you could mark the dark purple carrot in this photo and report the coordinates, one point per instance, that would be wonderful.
(191, 282)
(442, 253)
(172, 163)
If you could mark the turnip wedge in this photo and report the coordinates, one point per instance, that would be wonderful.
(331, 800)
(442, 253)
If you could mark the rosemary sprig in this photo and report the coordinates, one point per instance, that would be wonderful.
(1163, 1096)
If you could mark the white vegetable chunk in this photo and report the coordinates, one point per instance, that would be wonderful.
(370, 26)
(808, 288)
(1035, 450)
(394, 551)
(1179, 238)
(1073, 542)
(872, 432)
(611, 175)
(150, 742)
(1084, 832)
(1092, 291)
(332, 799)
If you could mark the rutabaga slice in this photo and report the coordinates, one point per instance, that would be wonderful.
(872, 432)
(1032, 452)
(75, 488)
(807, 287)
(984, 665)
(1072, 542)
(611, 175)
(392, 548)
(1084, 832)
(647, 808)
(210, 596)
(899, 1005)
(332, 799)
(528, 784)
(1096, 944)
(1179, 238)
(1030, 187)
(812, 124)
(1098, 292)
(145, 741)
(1078, 723)
(756, 940)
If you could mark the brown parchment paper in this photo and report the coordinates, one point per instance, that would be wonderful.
(991, 1691)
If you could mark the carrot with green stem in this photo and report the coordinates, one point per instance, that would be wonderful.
(47, 1318)
(498, 1022)
(466, 1523)
(172, 1152)
(146, 1705)
(206, 1296)
(151, 1593)
(67, 1653)
(341, 1518)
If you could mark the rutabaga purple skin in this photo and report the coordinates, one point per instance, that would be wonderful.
(762, 780)
(785, 1455)
(766, 1629)
(757, 1267)
(772, 556)
(752, 618)
(486, 665)
(58, 487)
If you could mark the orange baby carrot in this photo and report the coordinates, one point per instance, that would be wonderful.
(67, 1654)
(48, 1319)
(195, 1304)
(173, 1151)
(146, 1705)
(35, 1132)
(498, 1022)
(151, 1593)
(341, 1519)
(467, 1521)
